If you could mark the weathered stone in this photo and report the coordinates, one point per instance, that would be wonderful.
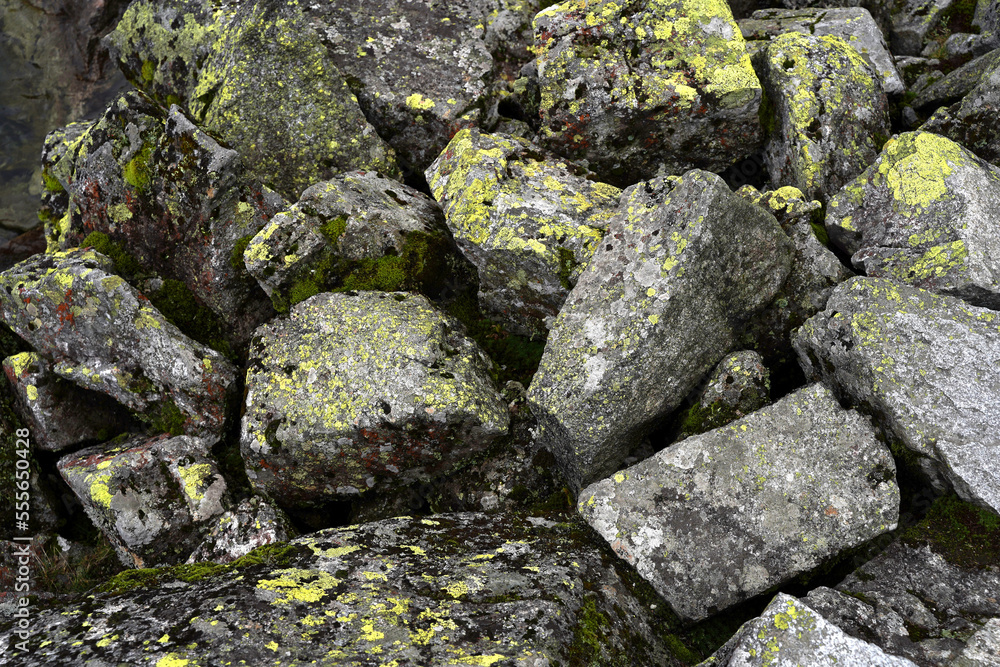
(987, 19)
(912, 21)
(726, 515)
(854, 25)
(983, 647)
(629, 87)
(59, 413)
(528, 221)
(272, 92)
(957, 84)
(974, 122)
(102, 334)
(236, 533)
(830, 113)
(924, 365)
(151, 498)
(683, 266)
(464, 589)
(739, 385)
(357, 231)
(927, 213)
(789, 634)
(361, 390)
(879, 9)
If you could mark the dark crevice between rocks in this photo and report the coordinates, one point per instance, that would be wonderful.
(748, 171)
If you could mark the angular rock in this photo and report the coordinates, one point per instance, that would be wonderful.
(739, 385)
(528, 221)
(912, 21)
(956, 84)
(358, 231)
(830, 113)
(272, 92)
(684, 264)
(974, 122)
(355, 391)
(152, 499)
(854, 25)
(726, 515)
(628, 87)
(879, 9)
(60, 414)
(924, 365)
(790, 633)
(234, 534)
(987, 19)
(472, 589)
(983, 648)
(102, 334)
(927, 213)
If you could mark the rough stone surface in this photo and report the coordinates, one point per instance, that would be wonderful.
(59, 413)
(974, 122)
(926, 213)
(726, 515)
(358, 224)
(739, 385)
(983, 648)
(854, 25)
(924, 365)
(829, 111)
(987, 19)
(912, 21)
(234, 534)
(528, 221)
(354, 391)
(102, 334)
(628, 87)
(151, 498)
(790, 634)
(957, 84)
(463, 589)
(643, 326)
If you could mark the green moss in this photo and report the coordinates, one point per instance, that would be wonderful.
(179, 305)
(588, 635)
(51, 183)
(148, 70)
(170, 420)
(236, 256)
(767, 114)
(816, 221)
(567, 262)
(681, 651)
(334, 229)
(136, 171)
(125, 265)
(960, 532)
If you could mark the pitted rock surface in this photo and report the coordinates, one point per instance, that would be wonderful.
(726, 515)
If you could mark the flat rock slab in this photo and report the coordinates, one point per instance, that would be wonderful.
(151, 498)
(684, 264)
(359, 389)
(790, 634)
(924, 365)
(99, 332)
(526, 219)
(726, 515)
(926, 213)
(460, 589)
(628, 87)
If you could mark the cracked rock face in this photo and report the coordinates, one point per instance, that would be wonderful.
(726, 515)
(924, 365)
(358, 390)
(642, 326)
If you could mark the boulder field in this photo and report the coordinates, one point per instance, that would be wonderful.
(513, 332)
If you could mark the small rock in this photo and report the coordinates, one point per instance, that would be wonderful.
(739, 385)
(912, 22)
(983, 648)
(234, 534)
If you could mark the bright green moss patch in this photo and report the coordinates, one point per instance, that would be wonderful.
(334, 229)
(51, 183)
(148, 70)
(236, 256)
(170, 420)
(962, 533)
(567, 262)
(125, 265)
(589, 634)
(136, 171)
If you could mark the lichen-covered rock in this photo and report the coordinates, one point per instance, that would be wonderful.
(361, 390)
(854, 25)
(422, 70)
(272, 92)
(737, 386)
(626, 87)
(59, 413)
(830, 113)
(983, 647)
(912, 22)
(987, 19)
(99, 332)
(956, 84)
(59, 157)
(357, 231)
(790, 634)
(879, 9)
(151, 498)
(462, 589)
(528, 221)
(926, 213)
(234, 534)
(924, 365)
(974, 122)
(684, 264)
(726, 515)
(176, 201)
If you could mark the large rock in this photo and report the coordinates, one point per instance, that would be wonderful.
(628, 87)
(956, 84)
(354, 391)
(462, 589)
(927, 213)
(153, 499)
(102, 334)
(974, 121)
(912, 23)
(924, 365)
(830, 110)
(987, 19)
(791, 634)
(724, 516)
(527, 220)
(684, 264)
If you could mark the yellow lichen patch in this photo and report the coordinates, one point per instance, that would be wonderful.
(334, 552)
(299, 585)
(193, 477)
(173, 660)
(935, 262)
(915, 165)
(418, 101)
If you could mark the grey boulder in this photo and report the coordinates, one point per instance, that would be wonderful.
(974, 121)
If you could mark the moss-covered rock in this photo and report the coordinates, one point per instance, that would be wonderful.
(737, 386)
